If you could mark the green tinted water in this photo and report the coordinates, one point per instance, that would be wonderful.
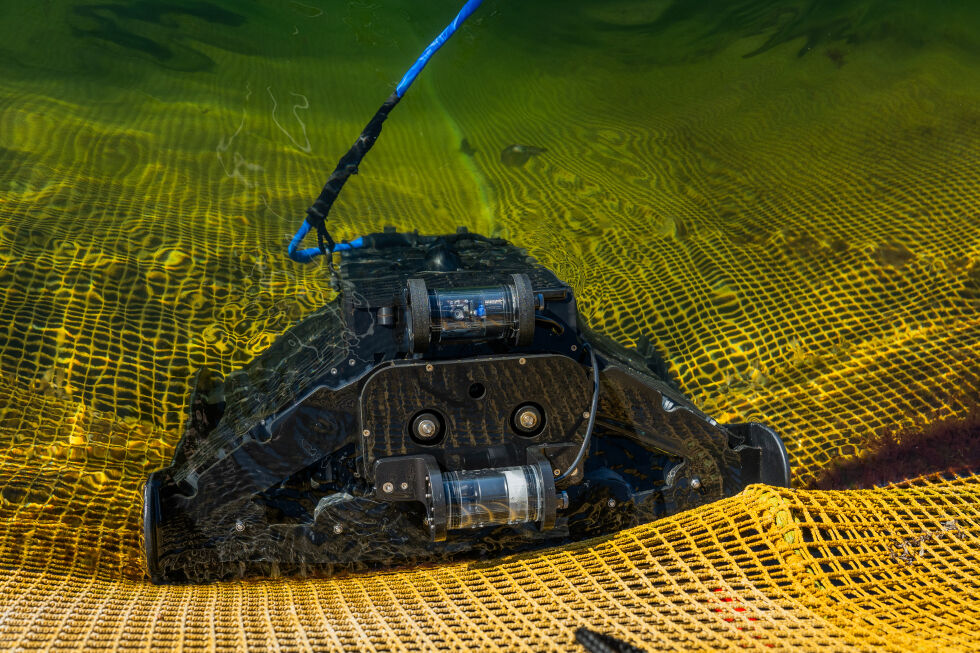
(768, 189)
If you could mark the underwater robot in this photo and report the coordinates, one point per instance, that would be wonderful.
(450, 402)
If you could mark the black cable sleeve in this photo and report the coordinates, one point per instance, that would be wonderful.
(317, 213)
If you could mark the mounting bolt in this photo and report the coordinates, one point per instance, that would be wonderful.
(403, 486)
(239, 526)
(527, 419)
(366, 433)
(333, 370)
(338, 528)
(557, 472)
(695, 483)
(574, 347)
(426, 427)
(586, 415)
(351, 362)
(388, 488)
(522, 360)
(428, 367)
(611, 503)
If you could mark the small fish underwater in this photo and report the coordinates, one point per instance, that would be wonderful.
(517, 155)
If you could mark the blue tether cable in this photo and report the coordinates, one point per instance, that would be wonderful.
(317, 213)
(439, 41)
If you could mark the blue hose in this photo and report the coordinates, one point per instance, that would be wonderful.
(348, 165)
(439, 41)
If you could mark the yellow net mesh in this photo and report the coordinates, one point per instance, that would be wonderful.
(809, 258)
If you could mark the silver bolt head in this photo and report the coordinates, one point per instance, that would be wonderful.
(338, 528)
(611, 503)
(425, 428)
(239, 526)
(695, 483)
(521, 360)
(388, 488)
(403, 486)
(428, 367)
(528, 418)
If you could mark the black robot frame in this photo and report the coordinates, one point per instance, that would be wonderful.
(450, 402)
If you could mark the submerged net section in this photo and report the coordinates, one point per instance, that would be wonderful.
(798, 234)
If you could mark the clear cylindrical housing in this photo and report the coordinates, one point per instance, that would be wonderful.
(486, 313)
(509, 495)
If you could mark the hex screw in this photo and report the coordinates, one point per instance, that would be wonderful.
(557, 472)
(611, 503)
(366, 433)
(425, 428)
(388, 488)
(428, 367)
(239, 526)
(695, 483)
(338, 528)
(528, 419)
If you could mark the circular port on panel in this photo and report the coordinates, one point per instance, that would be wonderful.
(427, 427)
(477, 391)
(528, 419)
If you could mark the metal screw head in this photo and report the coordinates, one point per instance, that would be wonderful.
(586, 415)
(574, 347)
(333, 370)
(611, 503)
(239, 526)
(428, 367)
(425, 428)
(528, 418)
(557, 472)
(695, 483)
(351, 362)
(522, 360)
(388, 488)
(338, 528)
(403, 486)
(366, 433)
